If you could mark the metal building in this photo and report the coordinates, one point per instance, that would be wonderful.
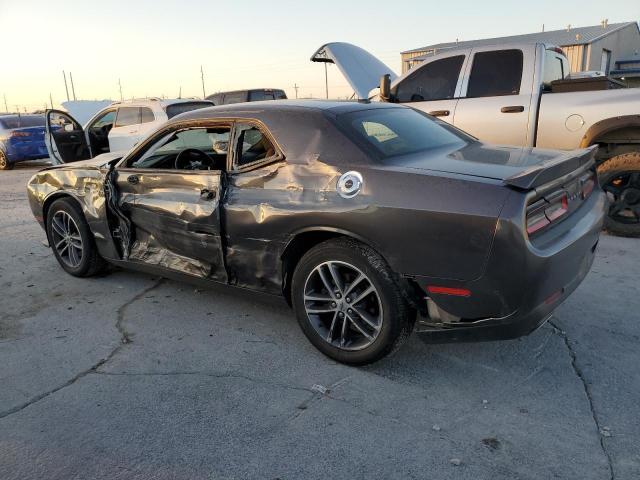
(606, 47)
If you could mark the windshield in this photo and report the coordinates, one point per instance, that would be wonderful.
(178, 108)
(393, 132)
(22, 121)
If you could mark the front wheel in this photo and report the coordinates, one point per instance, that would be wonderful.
(71, 239)
(348, 302)
(620, 179)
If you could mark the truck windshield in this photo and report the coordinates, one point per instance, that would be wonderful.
(392, 132)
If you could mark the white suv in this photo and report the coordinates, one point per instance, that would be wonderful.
(115, 128)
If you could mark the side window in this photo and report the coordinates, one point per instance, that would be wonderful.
(127, 116)
(252, 145)
(495, 73)
(236, 97)
(435, 81)
(146, 115)
(106, 119)
(553, 69)
(257, 95)
(207, 150)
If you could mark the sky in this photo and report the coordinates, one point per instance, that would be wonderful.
(156, 48)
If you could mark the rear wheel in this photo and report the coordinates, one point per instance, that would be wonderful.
(4, 162)
(620, 179)
(71, 239)
(348, 302)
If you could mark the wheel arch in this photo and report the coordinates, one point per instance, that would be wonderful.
(304, 240)
(616, 135)
(60, 194)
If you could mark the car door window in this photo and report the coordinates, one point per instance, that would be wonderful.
(146, 115)
(495, 73)
(252, 146)
(127, 116)
(105, 120)
(435, 81)
(208, 148)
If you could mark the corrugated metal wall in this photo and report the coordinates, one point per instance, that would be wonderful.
(575, 55)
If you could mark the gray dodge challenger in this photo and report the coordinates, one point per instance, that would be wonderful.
(371, 220)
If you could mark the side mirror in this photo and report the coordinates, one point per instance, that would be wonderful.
(385, 88)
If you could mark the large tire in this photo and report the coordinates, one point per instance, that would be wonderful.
(620, 179)
(4, 162)
(67, 227)
(385, 307)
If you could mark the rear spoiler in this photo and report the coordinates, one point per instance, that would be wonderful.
(554, 169)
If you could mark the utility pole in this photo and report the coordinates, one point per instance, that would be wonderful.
(180, 92)
(120, 87)
(50, 100)
(73, 90)
(326, 81)
(295, 87)
(64, 75)
(6, 108)
(202, 77)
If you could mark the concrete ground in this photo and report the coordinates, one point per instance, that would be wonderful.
(131, 376)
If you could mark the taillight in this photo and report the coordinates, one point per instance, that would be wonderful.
(20, 134)
(587, 184)
(536, 218)
(558, 206)
(546, 211)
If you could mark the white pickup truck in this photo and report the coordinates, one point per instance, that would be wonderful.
(506, 94)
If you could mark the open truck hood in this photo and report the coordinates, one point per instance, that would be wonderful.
(361, 69)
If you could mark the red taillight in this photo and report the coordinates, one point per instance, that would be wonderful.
(587, 184)
(20, 134)
(456, 292)
(558, 206)
(537, 222)
(546, 211)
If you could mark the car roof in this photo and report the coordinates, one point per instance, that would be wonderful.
(269, 106)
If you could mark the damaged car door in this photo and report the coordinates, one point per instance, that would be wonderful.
(174, 185)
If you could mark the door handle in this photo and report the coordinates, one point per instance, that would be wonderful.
(512, 109)
(439, 113)
(133, 179)
(206, 194)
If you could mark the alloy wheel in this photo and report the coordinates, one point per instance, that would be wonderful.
(343, 305)
(66, 239)
(623, 191)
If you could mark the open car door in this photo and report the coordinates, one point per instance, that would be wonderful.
(65, 138)
(361, 69)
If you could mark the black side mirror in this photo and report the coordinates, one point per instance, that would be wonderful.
(385, 88)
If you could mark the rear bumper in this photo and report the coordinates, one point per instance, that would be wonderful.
(519, 292)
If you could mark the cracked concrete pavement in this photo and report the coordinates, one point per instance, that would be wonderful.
(131, 376)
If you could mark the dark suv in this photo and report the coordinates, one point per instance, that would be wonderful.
(255, 95)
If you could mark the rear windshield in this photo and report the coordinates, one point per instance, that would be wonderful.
(178, 108)
(22, 121)
(393, 132)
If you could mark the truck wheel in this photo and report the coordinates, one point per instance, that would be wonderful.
(4, 162)
(620, 179)
(71, 240)
(348, 302)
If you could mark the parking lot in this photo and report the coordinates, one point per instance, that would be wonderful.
(133, 376)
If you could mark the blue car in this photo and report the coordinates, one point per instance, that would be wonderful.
(21, 138)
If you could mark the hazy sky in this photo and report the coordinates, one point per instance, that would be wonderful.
(156, 47)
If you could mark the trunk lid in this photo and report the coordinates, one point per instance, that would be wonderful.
(361, 69)
(519, 167)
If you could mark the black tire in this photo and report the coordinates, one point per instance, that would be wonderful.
(620, 169)
(4, 162)
(397, 318)
(90, 262)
